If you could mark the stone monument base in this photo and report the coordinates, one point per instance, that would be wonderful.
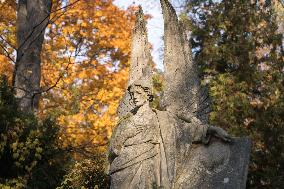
(217, 166)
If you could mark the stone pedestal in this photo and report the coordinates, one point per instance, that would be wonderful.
(229, 168)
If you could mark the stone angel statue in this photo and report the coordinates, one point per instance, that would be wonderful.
(151, 148)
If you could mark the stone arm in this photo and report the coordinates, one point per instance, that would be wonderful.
(201, 132)
(198, 131)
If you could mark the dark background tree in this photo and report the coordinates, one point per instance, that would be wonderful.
(238, 46)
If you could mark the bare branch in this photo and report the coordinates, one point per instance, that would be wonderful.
(7, 53)
(47, 17)
(5, 41)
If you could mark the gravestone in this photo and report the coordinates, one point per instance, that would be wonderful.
(230, 174)
(173, 148)
(234, 174)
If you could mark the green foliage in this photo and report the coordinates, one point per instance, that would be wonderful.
(15, 183)
(31, 155)
(157, 89)
(239, 49)
(87, 174)
(29, 152)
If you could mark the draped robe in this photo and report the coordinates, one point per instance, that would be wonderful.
(154, 155)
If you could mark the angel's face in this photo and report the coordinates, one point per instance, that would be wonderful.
(138, 95)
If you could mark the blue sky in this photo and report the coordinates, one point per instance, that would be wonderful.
(155, 25)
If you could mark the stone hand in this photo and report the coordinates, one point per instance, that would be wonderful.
(219, 133)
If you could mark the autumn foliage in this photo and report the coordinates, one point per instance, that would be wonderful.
(84, 69)
(7, 37)
(85, 61)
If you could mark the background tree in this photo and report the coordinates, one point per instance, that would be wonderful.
(84, 66)
(32, 20)
(239, 49)
(85, 69)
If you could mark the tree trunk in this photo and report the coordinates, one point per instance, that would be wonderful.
(32, 20)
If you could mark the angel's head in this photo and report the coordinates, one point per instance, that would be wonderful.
(140, 92)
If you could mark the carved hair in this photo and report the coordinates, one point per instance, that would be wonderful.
(145, 89)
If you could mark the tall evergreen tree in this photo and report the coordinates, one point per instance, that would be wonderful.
(239, 48)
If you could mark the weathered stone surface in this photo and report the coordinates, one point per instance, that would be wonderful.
(140, 60)
(183, 91)
(134, 149)
(149, 147)
(218, 165)
(175, 148)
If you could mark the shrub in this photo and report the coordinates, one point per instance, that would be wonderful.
(30, 156)
(87, 174)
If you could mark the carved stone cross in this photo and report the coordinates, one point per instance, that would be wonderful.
(175, 148)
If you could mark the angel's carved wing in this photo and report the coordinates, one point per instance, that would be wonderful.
(183, 90)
